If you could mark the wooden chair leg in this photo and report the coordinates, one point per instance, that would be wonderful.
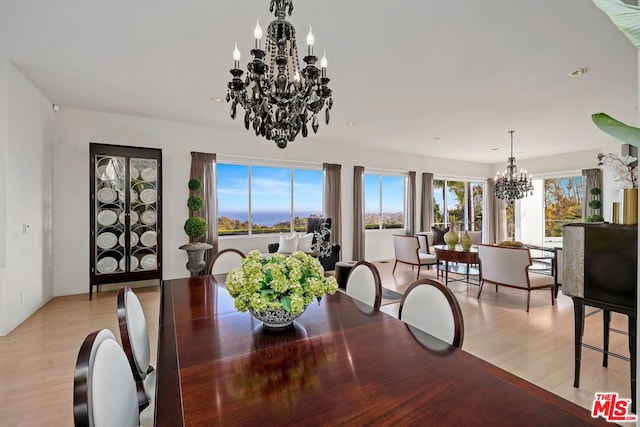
(606, 324)
(480, 291)
(394, 267)
(552, 296)
(528, 299)
(418, 275)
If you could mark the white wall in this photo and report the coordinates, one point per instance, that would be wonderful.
(75, 129)
(4, 154)
(530, 228)
(27, 280)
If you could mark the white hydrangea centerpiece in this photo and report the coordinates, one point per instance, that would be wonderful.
(278, 282)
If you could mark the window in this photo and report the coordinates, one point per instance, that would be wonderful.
(383, 201)
(264, 199)
(562, 203)
(458, 202)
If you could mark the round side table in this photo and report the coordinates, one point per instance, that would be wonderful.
(343, 268)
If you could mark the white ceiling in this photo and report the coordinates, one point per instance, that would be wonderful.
(407, 72)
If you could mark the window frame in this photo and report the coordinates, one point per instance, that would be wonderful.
(250, 164)
(465, 223)
(381, 175)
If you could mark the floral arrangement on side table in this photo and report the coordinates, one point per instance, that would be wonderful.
(278, 282)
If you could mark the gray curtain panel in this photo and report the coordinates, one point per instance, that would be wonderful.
(203, 167)
(497, 216)
(411, 204)
(591, 178)
(332, 199)
(426, 205)
(358, 213)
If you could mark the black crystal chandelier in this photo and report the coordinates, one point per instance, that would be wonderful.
(512, 185)
(278, 97)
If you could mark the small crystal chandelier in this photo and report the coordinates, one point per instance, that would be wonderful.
(512, 185)
(279, 99)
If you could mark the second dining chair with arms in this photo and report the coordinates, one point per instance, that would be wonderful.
(364, 284)
(407, 250)
(431, 307)
(225, 261)
(509, 266)
(135, 343)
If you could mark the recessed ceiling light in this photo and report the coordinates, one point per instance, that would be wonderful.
(217, 99)
(579, 72)
(350, 123)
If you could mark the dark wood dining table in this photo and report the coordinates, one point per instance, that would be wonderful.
(342, 364)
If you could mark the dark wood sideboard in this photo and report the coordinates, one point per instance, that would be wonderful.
(601, 270)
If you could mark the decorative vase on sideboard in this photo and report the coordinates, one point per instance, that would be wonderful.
(629, 206)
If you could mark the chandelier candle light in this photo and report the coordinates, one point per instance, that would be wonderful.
(512, 185)
(278, 97)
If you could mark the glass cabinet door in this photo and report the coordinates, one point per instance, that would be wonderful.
(110, 217)
(143, 215)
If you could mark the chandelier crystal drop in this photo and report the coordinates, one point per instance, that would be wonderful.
(280, 99)
(512, 185)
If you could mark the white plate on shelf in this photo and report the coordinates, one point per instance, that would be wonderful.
(148, 174)
(148, 195)
(135, 174)
(107, 195)
(107, 240)
(133, 217)
(134, 239)
(148, 262)
(148, 238)
(148, 217)
(107, 217)
(134, 263)
(107, 265)
(134, 196)
(111, 170)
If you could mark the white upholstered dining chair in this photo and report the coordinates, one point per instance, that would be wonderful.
(509, 266)
(225, 261)
(135, 343)
(104, 391)
(407, 250)
(431, 307)
(364, 284)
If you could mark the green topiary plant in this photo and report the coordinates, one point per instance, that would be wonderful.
(194, 184)
(196, 226)
(195, 203)
(595, 205)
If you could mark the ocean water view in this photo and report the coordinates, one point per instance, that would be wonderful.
(266, 218)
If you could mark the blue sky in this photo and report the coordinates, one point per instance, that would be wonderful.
(271, 189)
(392, 193)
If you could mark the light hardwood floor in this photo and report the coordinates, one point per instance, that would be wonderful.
(37, 359)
